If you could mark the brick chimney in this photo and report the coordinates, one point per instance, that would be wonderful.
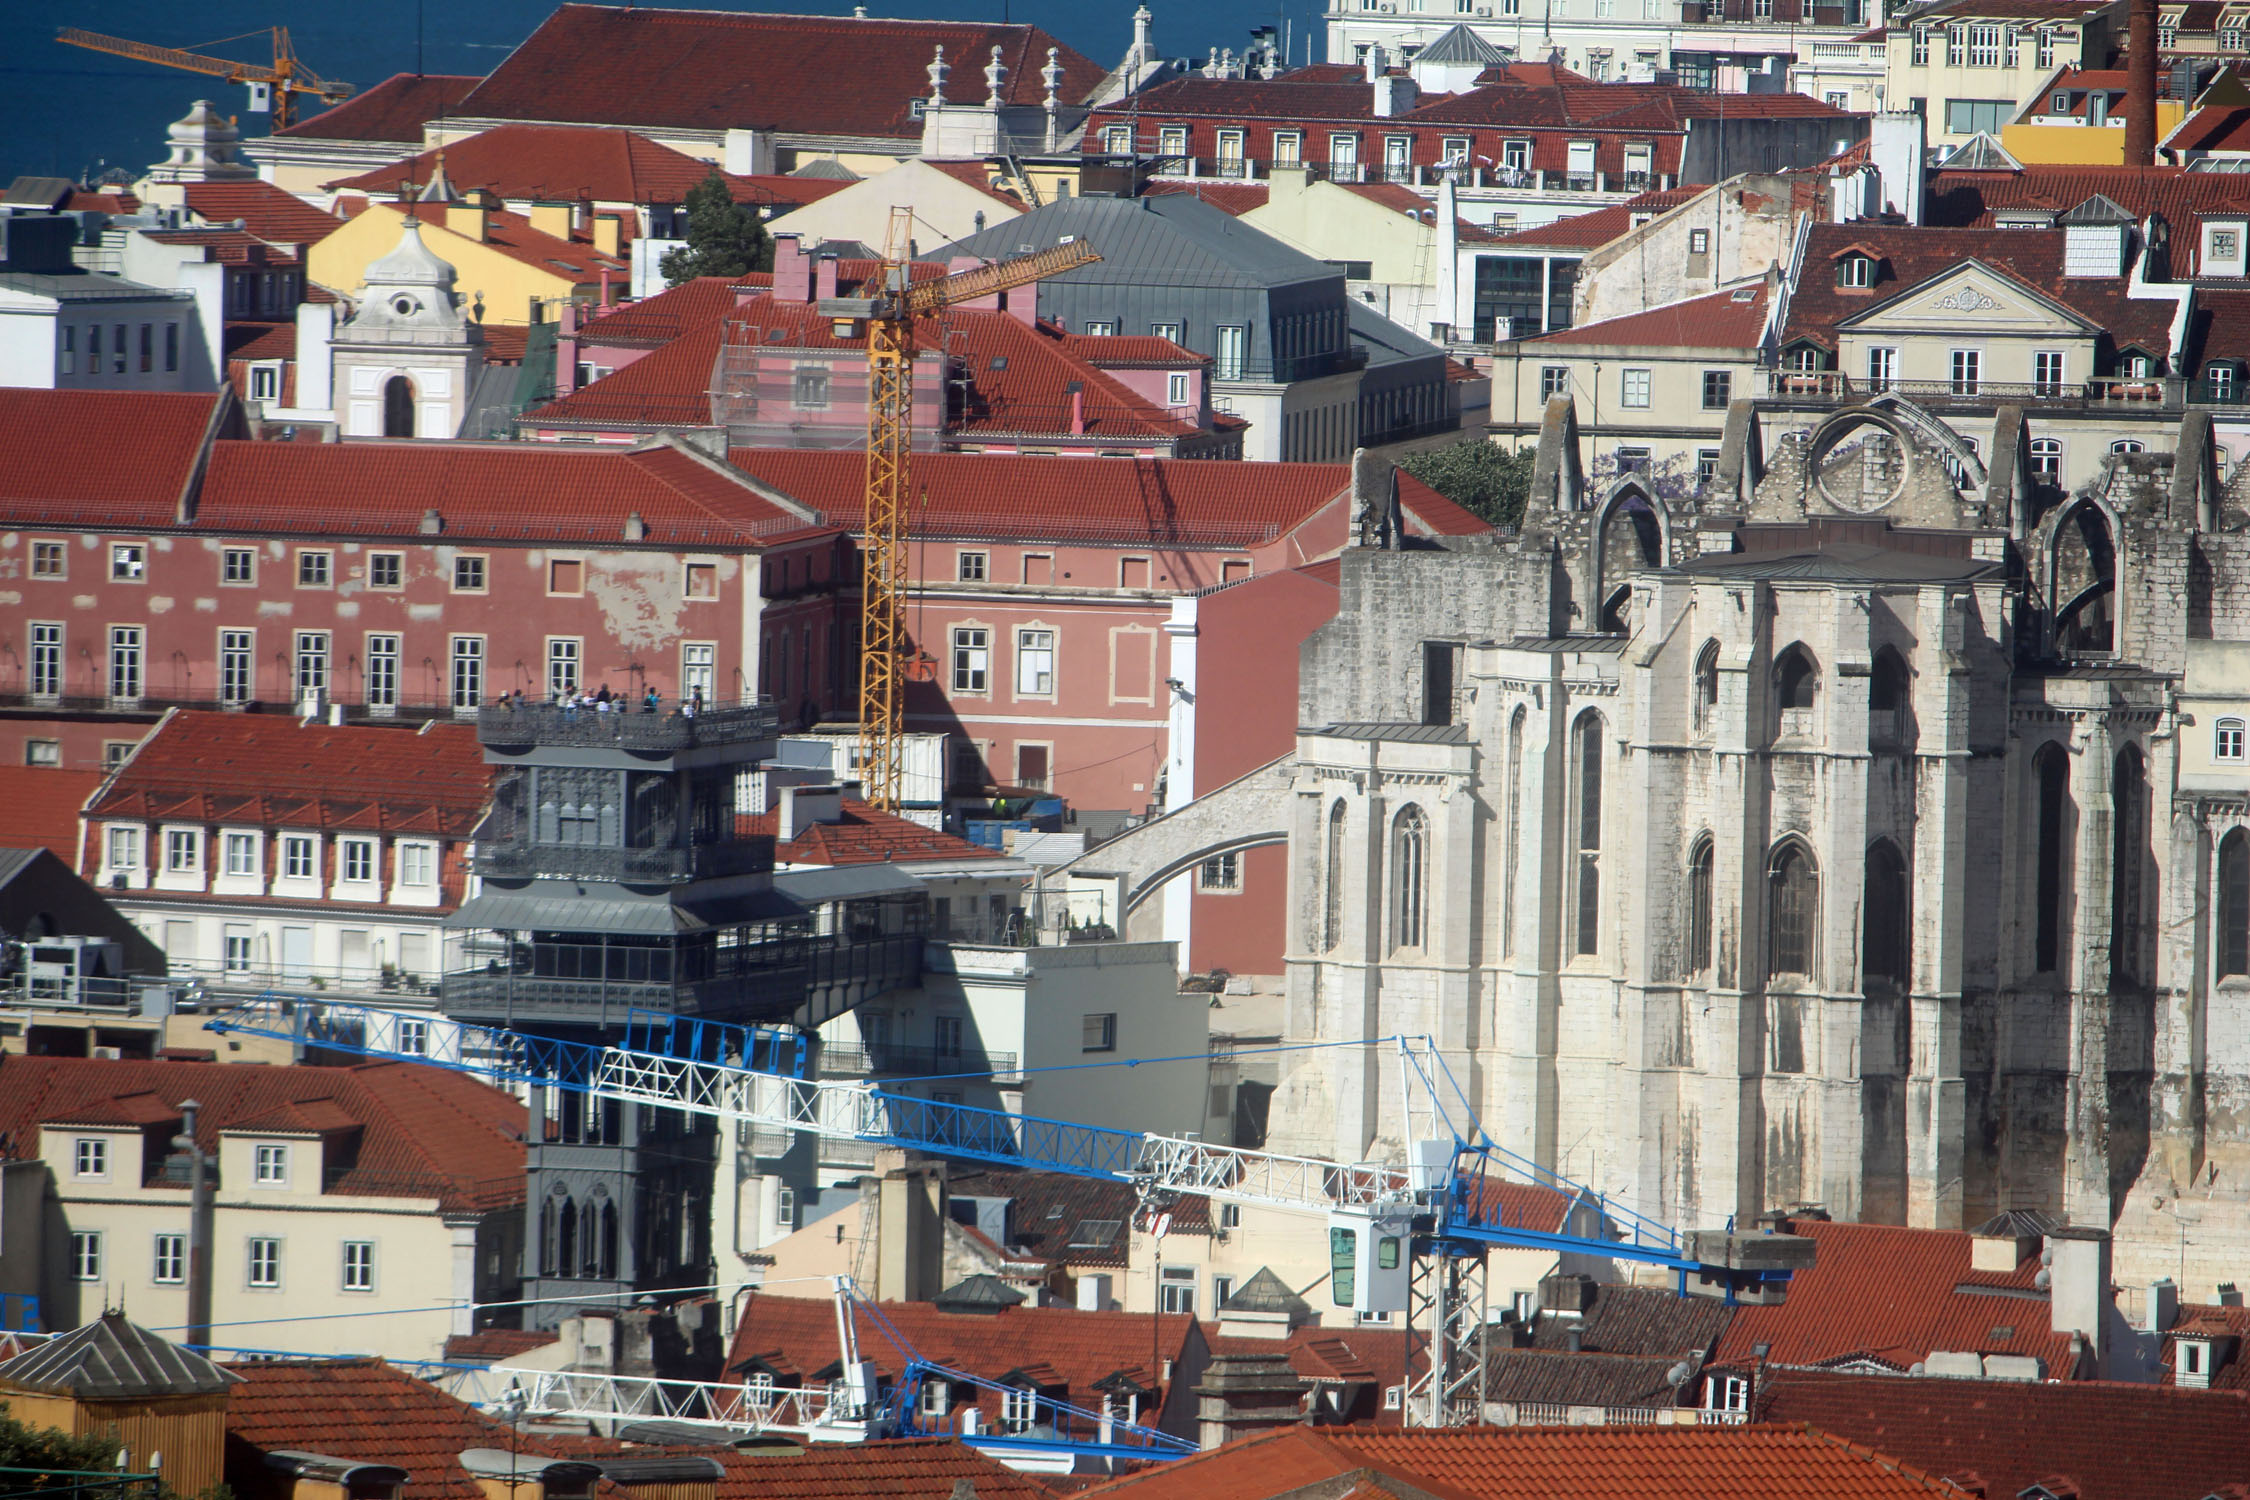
(792, 270)
(824, 275)
(2140, 83)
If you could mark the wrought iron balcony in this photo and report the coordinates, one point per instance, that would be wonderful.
(662, 866)
(516, 726)
(2151, 393)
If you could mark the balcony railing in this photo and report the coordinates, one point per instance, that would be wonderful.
(539, 724)
(2108, 392)
(845, 1060)
(665, 866)
(1425, 175)
(764, 980)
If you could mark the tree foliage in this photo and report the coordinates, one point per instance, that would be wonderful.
(724, 238)
(53, 1451)
(1485, 479)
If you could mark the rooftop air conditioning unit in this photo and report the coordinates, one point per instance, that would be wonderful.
(112, 1054)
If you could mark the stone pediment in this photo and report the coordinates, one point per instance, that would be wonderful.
(1972, 298)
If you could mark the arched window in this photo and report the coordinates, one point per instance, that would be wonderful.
(1332, 911)
(2046, 460)
(1796, 908)
(1410, 876)
(1796, 678)
(2227, 740)
(566, 1236)
(1630, 542)
(2126, 445)
(398, 407)
(2231, 929)
(1886, 933)
(1509, 848)
(590, 1239)
(1699, 893)
(1706, 687)
(2051, 848)
(1587, 761)
(1889, 689)
(606, 1263)
(2128, 795)
(2085, 583)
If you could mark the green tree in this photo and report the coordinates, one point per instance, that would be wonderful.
(51, 1450)
(1485, 479)
(724, 238)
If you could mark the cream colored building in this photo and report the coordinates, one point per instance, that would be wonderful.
(951, 201)
(353, 1210)
(1969, 68)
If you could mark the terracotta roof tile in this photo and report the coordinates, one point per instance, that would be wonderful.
(863, 835)
(271, 769)
(1433, 513)
(1048, 1209)
(681, 69)
(670, 313)
(424, 1132)
(902, 1469)
(1194, 503)
(1726, 320)
(1895, 1295)
(565, 163)
(2183, 1445)
(394, 110)
(1637, 1320)
(1591, 231)
(1236, 198)
(111, 459)
(266, 211)
(498, 491)
(512, 235)
(39, 808)
(1558, 1378)
(495, 1345)
(1969, 199)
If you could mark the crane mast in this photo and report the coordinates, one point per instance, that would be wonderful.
(890, 316)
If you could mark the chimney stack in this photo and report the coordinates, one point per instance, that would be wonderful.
(2140, 83)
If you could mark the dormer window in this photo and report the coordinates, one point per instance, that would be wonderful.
(1855, 272)
(2194, 1362)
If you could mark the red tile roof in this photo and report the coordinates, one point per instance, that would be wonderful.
(266, 211)
(2218, 128)
(1733, 319)
(394, 110)
(2209, 1322)
(1534, 1463)
(252, 341)
(1433, 513)
(492, 491)
(563, 163)
(423, 1132)
(1400, 198)
(273, 770)
(669, 387)
(227, 246)
(1896, 1295)
(863, 835)
(1909, 257)
(1072, 1352)
(1047, 1208)
(121, 459)
(2183, 1445)
(495, 1345)
(660, 319)
(901, 1469)
(1187, 502)
(1969, 199)
(39, 808)
(2028, 10)
(1236, 198)
(512, 235)
(1591, 231)
(1121, 351)
(704, 70)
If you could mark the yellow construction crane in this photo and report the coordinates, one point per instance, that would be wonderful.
(287, 75)
(889, 315)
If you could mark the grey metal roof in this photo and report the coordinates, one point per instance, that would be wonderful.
(823, 169)
(2018, 1223)
(2099, 209)
(976, 1294)
(1980, 152)
(40, 192)
(87, 286)
(1172, 239)
(1841, 562)
(517, 910)
(1458, 44)
(843, 883)
(14, 862)
(678, 1468)
(1265, 1293)
(1411, 734)
(111, 1359)
(1386, 342)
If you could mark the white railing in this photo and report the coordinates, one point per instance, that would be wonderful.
(734, 1409)
(1555, 1414)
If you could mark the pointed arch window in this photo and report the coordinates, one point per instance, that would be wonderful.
(1889, 691)
(1410, 875)
(2128, 861)
(1587, 764)
(1886, 935)
(398, 407)
(1699, 913)
(2051, 850)
(2231, 939)
(1706, 687)
(1508, 839)
(1796, 678)
(1332, 881)
(1795, 918)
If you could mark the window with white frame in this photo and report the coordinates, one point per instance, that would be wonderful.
(563, 654)
(417, 864)
(972, 660)
(297, 856)
(1035, 663)
(935, 1398)
(240, 948)
(128, 562)
(124, 848)
(1177, 389)
(86, 1255)
(355, 861)
(972, 567)
(46, 673)
(785, 1208)
(183, 851)
(1729, 1393)
(359, 1265)
(239, 854)
(1019, 1408)
(2047, 367)
(316, 568)
(265, 1262)
(414, 1036)
(1967, 368)
(1634, 388)
(1222, 1288)
(467, 675)
(272, 1165)
(90, 1158)
(386, 570)
(1221, 872)
(170, 1263)
(125, 647)
(382, 671)
(1175, 1289)
(238, 566)
(2227, 740)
